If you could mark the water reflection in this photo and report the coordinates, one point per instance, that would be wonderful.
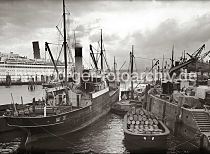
(104, 136)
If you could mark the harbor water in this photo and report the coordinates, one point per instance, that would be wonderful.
(104, 136)
(16, 92)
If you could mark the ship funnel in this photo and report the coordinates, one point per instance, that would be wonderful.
(36, 50)
(78, 58)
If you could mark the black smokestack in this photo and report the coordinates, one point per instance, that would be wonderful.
(78, 58)
(36, 50)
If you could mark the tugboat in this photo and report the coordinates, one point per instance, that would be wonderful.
(128, 99)
(123, 106)
(144, 132)
(67, 109)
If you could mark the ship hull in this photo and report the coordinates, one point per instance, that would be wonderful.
(145, 143)
(3, 109)
(68, 122)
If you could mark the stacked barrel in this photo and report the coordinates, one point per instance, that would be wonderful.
(10, 147)
(141, 121)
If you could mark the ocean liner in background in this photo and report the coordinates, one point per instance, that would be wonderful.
(18, 69)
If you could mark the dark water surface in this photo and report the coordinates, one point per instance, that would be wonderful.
(104, 136)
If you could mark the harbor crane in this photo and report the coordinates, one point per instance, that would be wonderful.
(102, 55)
(93, 57)
(47, 48)
(193, 58)
(204, 55)
(197, 53)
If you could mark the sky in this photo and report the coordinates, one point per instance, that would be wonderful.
(153, 27)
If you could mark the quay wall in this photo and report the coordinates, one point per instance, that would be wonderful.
(178, 119)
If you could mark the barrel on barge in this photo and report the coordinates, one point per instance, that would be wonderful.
(144, 133)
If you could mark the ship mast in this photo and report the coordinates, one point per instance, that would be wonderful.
(114, 66)
(101, 54)
(172, 58)
(65, 52)
(64, 41)
(131, 57)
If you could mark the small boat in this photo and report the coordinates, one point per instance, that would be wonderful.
(52, 84)
(125, 104)
(144, 132)
(128, 97)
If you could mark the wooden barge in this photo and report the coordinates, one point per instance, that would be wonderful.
(144, 133)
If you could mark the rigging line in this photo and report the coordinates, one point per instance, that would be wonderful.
(59, 55)
(55, 43)
(104, 56)
(59, 21)
(59, 31)
(95, 49)
(87, 62)
(98, 55)
(106, 62)
(122, 65)
(135, 63)
(104, 52)
(91, 66)
(144, 58)
(70, 54)
(99, 44)
(129, 66)
(67, 11)
(58, 38)
(151, 59)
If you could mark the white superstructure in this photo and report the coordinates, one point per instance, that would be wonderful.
(24, 69)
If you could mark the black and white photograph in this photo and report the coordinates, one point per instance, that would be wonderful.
(104, 76)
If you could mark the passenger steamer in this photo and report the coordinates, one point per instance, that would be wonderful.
(19, 69)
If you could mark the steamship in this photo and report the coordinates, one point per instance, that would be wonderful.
(69, 107)
(23, 70)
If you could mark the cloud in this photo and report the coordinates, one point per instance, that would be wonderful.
(187, 36)
(152, 27)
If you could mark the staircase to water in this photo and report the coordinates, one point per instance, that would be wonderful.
(203, 122)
